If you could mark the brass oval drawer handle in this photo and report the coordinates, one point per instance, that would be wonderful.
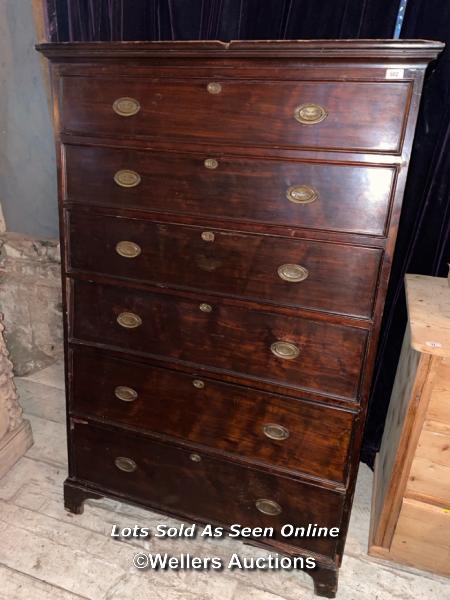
(301, 194)
(206, 308)
(129, 320)
(292, 273)
(195, 457)
(285, 350)
(127, 179)
(310, 114)
(208, 236)
(198, 383)
(214, 88)
(268, 507)
(126, 394)
(128, 249)
(275, 432)
(126, 107)
(125, 464)
(211, 163)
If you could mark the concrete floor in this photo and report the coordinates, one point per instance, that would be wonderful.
(47, 553)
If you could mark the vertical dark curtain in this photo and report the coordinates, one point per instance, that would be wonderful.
(424, 242)
(89, 20)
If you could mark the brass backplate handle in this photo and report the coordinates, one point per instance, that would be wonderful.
(128, 249)
(127, 178)
(126, 107)
(310, 114)
(268, 507)
(275, 432)
(125, 464)
(129, 320)
(301, 194)
(292, 273)
(285, 350)
(125, 393)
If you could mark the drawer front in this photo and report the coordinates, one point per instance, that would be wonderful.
(322, 356)
(324, 276)
(346, 198)
(211, 489)
(291, 114)
(283, 432)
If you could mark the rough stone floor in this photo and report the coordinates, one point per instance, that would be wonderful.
(47, 553)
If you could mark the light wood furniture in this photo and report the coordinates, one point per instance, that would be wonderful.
(228, 218)
(15, 432)
(411, 500)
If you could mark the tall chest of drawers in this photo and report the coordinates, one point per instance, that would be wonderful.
(228, 217)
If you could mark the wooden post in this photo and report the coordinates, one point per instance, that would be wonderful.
(410, 521)
(42, 35)
(15, 432)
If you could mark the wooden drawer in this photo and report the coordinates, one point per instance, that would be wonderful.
(331, 277)
(210, 489)
(223, 336)
(283, 432)
(352, 115)
(349, 198)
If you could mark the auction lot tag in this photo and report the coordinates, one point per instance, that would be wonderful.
(395, 73)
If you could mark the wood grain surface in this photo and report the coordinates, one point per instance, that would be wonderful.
(211, 307)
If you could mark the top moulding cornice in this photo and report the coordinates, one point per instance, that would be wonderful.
(314, 49)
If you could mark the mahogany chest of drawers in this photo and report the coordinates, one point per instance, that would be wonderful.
(228, 219)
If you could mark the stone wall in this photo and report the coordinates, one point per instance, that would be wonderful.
(30, 299)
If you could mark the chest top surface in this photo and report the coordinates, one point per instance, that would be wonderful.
(317, 49)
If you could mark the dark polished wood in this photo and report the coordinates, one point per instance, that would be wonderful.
(209, 412)
(360, 115)
(185, 407)
(325, 582)
(394, 50)
(227, 337)
(350, 198)
(167, 476)
(75, 496)
(224, 262)
(412, 50)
